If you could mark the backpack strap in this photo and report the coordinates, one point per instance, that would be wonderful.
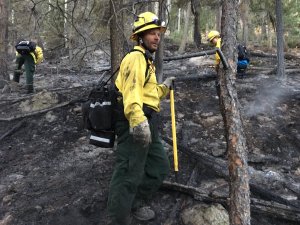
(148, 57)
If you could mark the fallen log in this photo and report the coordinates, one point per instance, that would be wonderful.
(269, 208)
(196, 54)
(271, 55)
(13, 129)
(35, 112)
(204, 77)
(260, 182)
(172, 218)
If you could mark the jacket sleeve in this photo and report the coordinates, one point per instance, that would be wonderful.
(39, 54)
(163, 90)
(133, 79)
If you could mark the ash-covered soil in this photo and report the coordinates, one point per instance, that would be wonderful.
(50, 174)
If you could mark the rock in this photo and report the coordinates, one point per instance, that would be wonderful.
(297, 172)
(77, 109)
(38, 208)
(210, 121)
(40, 101)
(6, 220)
(202, 214)
(14, 177)
(76, 85)
(50, 117)
(7, 199)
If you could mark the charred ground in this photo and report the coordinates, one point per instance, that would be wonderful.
(51, 175)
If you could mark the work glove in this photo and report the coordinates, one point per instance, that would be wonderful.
(142, 134)
(168, 81)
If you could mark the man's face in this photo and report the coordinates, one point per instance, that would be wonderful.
(151, 39)
(214, 41)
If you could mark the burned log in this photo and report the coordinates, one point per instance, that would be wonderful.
(13, 129)
(35, 112)
(271, 55)
(178, 57)
(260, 182)
(172, 218)
(269, 208)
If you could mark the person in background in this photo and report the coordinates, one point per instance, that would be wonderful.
(142, 163)
(215, 40)
(243, 61)
(27, 54)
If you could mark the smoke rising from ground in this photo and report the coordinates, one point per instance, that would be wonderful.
(267, 99)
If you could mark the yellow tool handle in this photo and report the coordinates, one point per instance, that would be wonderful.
(174, 130)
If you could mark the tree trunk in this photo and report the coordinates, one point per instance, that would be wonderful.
(160, 51)
(4, 38)
(280, 41)
(245, 19)
(116, 28)
(236, 142)
(195, 6)
(179, 20)
(69, 39)
(218, 17)
(263, 21)
(185, 29)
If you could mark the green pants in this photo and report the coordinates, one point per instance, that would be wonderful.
(138, 172)
(29, 65)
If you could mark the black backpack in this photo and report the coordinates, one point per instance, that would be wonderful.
(242, 52)
(25, 47)
(99, 111)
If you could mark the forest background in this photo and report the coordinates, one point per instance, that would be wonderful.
(76, 28)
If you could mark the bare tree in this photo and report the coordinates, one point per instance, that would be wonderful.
(230, 108)
(280, 41)
(244, 6)
(116, 28)
(218, 16)
(4, 38)
(195, 6)
(185, 29)
(160, 51)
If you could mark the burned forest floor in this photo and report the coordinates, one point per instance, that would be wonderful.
(50, 174)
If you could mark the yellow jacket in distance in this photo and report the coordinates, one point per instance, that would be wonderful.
(131, 83)
(218, 45)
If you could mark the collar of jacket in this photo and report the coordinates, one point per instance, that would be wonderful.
(145, 52)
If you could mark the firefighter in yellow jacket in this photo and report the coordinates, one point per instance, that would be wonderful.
(215, 40)
(27, 54)
(142, 163)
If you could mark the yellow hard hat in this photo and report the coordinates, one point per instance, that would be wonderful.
(146, 21)
(212, 34)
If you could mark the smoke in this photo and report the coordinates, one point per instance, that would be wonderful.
(267, 99)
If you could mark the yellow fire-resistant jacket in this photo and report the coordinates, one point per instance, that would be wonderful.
(130, 82)
(218, 45)
(37, 55)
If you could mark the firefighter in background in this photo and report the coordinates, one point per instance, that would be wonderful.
(215, 40)
(27, 54)
(243, 61)
(142, 163)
